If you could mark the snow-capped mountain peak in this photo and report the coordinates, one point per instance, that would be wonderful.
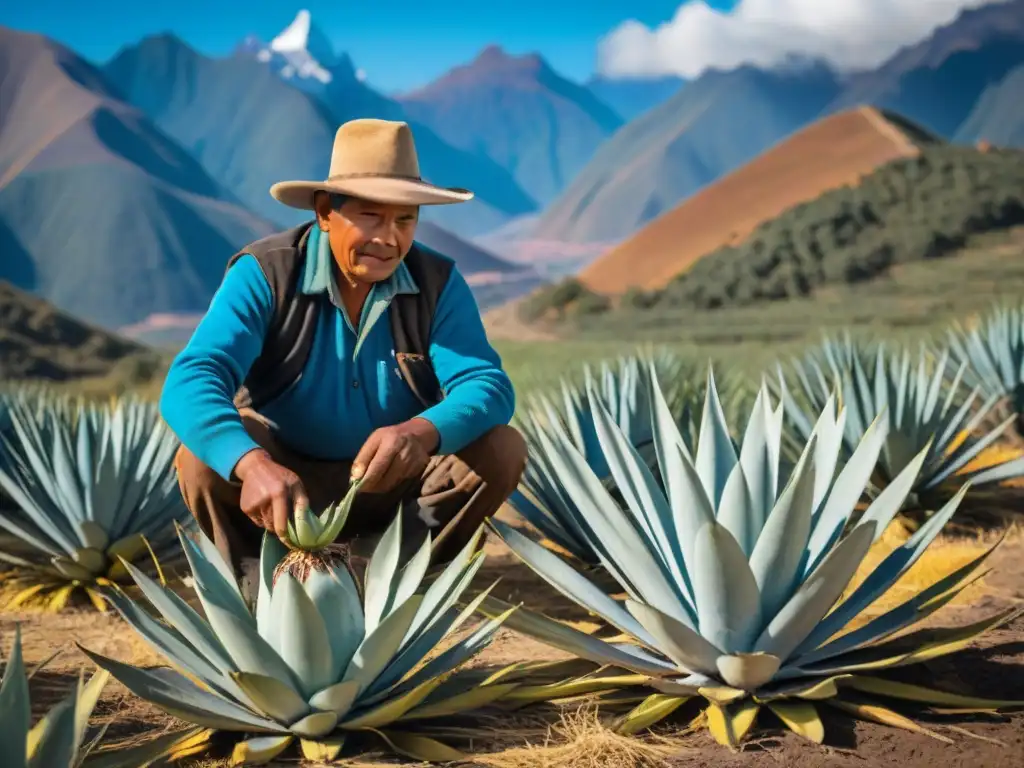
(306, 51)
(303, 56)
(303, 35)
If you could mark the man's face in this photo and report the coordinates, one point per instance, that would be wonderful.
(369, 240)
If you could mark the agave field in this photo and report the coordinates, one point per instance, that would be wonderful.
(710, 567)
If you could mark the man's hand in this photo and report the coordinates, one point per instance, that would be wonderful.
(391, 455)
(270, 492)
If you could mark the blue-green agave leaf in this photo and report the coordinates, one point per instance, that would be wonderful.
(728, 599)
(716, 454)
(180, 615)
(336, 597)
(846, 491)
(578, 643)
(273, 698)
(58, 745)
(381, 644)
(818, 593)
(380, 575)
(212, 582)
(883, 576)
(909, 612)
(571, 582)
(690, 651)
(628, 554)
(779, 551)
(759, 460)
(738, 514)
(304, 644)
(177, 649)
(15, 706)
(272, 552)
(643, 497)
(177, 694)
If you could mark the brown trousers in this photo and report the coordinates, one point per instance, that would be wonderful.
(454, 495)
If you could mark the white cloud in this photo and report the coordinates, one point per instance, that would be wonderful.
(850, 34)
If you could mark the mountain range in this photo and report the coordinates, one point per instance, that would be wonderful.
(250, 128)
(709, 127)
(832, 152)
(715, 123)
(536, 124)
(936, 82)
(176, 150)
(998, 117)
(100, 213)
(633, 96)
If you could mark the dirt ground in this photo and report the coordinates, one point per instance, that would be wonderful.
(993, 667)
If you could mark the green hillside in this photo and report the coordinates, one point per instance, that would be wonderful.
(919, 211)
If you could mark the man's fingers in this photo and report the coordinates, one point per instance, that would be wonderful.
(379, 466)
(281, 511)
(396, 472)
(266, 514)
(360, 465)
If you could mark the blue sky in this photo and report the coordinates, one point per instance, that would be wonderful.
(399, 43)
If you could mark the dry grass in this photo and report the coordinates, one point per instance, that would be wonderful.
(581, 740)
(1004, 450)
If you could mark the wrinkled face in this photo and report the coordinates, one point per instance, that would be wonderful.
(369, 240)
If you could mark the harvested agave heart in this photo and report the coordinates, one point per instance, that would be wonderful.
(311, 541)
(300, 563)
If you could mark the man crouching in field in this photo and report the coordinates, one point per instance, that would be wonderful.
(341, 349)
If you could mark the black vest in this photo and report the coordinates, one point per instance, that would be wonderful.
(286, 347)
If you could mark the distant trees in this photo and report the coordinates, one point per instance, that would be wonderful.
(560, 301)
(908, 210)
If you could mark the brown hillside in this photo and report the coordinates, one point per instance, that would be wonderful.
(828, 154)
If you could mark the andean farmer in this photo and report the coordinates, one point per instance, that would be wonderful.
(340, 349)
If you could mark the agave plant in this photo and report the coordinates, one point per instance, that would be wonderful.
(924, 414)
(91, 485)
(993, 354)
(314, 661)
(56, 741)
(733, 573)
(624, 393)
(6, 502)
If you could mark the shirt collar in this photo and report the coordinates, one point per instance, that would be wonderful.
(318, 277)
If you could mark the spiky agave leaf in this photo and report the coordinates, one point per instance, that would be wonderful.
(993, 353)
(925, 413)
(313, 661)
(91, 484)
(733, 574)
(56, 741)
(624, 392)
(819, 373)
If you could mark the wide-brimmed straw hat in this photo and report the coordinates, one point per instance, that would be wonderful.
(374, 160)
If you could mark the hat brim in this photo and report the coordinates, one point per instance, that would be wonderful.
(379, 189)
